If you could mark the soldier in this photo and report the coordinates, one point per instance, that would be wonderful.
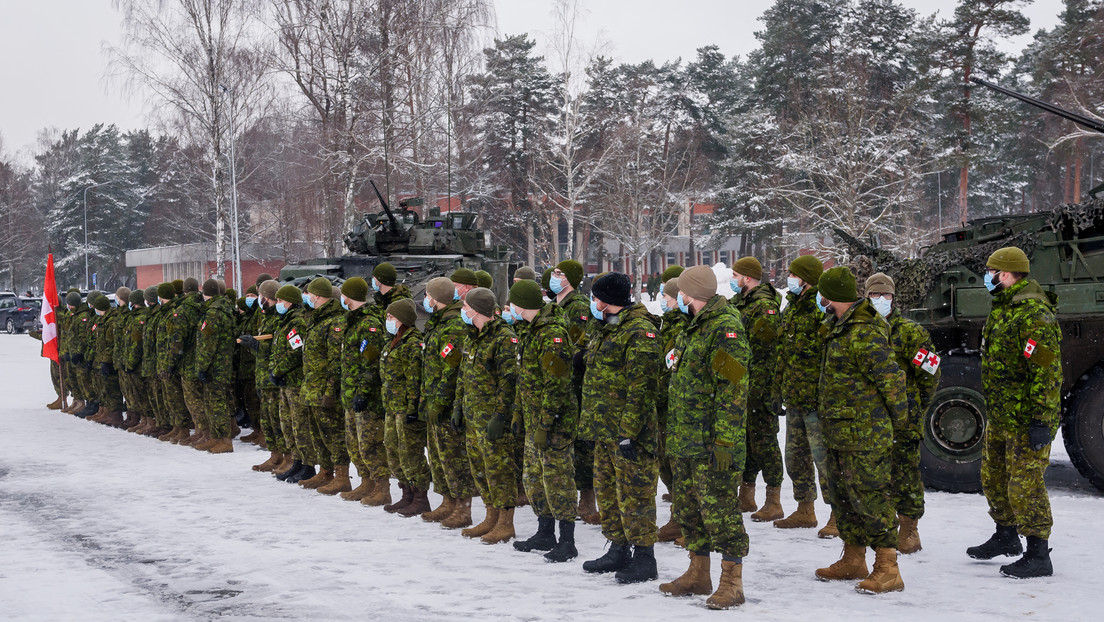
(245, 387)
(545, 282)
(259, 341)
(917, 357)
(546, 413)
(483, 407)
(322, 387)
(154, 423)
(795, 387)
(175, 413)
(384, 279)
(1021, 375)
(672, 323)
(525, 273)
(758, 304)
(708, 400)
(103, 334)
(861, 400)
(405, 433)
(72, 353)
(214, 352)
(92, 378)
(618, 414)
(181, 325)
(286, 372)
(463, 281)
(128, 357)
(445, 338)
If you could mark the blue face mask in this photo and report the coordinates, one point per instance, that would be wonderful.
(598, 315)
(345, 306)
(249, 302)
(882, 306)
(794, 285)
(467, 318)
(733, 286)
(685, 308)
(455, 294)
(508, 316)
(281, 307)
(556, 284)
(660, 289)
(375, 284)
(823, 308)
(990, 282)
(426, 305)
(392, 326)
(306, 300)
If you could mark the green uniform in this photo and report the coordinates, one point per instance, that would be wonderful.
(574, 311)
(111, 396)
(77, 335)
(154, 386)
(762, 322)
(404, 434)
(1021, 375)
(364, 340)
(378, 307)
(861, 400)
(619, 403)
(191, 307)
(445, 337)
(268, 322)
(321, 389)
(214, 352)
(245, 363)
(671, 327)
(286, 372)
(128, 360)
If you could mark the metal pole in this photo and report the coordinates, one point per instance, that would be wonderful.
(235, 242)
(939, 196)
(87, 188)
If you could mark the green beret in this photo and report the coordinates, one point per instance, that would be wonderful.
(838, 285)
(321, 287)
(485, 279)
(671, 272)
(72, 299)
(178, 286)
(356, 289)
(463, 276)
(573, 270)
(808, 268)
(290, 294)
(101, 303)
(385, 273)
(167, 291)
(526, 294)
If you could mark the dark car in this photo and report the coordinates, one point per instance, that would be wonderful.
(18, 314)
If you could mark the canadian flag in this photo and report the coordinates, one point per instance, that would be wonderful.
(47, 315)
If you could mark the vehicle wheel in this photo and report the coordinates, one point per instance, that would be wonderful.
(954, 426)
(10, 326)
(1083, 427)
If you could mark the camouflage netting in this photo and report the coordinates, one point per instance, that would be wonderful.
(1080, 216)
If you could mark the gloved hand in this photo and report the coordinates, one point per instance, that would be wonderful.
(722, 456)
(517, 426)
(360, 403)
(278, 382)
(203, 377)
(540, 438)
(496, 427)
(578, 362)
(628, 448)
(456, 422)
(250, 342)
(106, 369)
(76, 358)
(1038, 434)
(411, 418)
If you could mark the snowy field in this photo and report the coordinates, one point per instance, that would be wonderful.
(103, 525)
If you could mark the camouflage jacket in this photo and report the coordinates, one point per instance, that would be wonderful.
(95, 322)
(322, 356)
(286, 353)
(129, 344)
(378, 308)
(622, 361)
(672, 324)
(762, 322)
(862, 390)
(180, 327)
(166, 361)
(244, 358)
(575, 314)
(80, 325)
(1021, 359)
(360, 360)
(64, 318)
(268, 323)
(916, 356)
(214, 340)
(104, 333)
(799, 355)
(446, 335)
(709, 386)
(488, 375)
(155, 315)
(545, 397)
(400, 373)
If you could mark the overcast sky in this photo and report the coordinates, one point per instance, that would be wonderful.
(53, 68)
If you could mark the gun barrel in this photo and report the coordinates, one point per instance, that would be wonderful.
(386, 207)
(1079, 119)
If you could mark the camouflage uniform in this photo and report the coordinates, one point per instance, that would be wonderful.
(708, 399)
(245, 385)
(128, 360)
(268, 323)
(111, 396)
(191, 307)
(154, 386)
(619, 403)
(94, 379)
(445, 337)
(214, 351)
(799, 359)
(360, 377)
(671, 327)
(177, 330)
(405, 440)
(321, 387)
(286, 365)
(762, 322)
(546, 402)
(378, 308)
(862, 399)
(574, 311)
(74, 342)
(485, 390)
(1021, 375)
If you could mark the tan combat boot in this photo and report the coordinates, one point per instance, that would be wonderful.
(803, 517)
(98, 414)
(670, 531)
(267, 466)
(443, 511)
(851, 566)
(339, 483)
(404, 500)
(485, 527)
(588, 507)
(113, 418)
(205, 444)
(143, 424)
(909, 538)
(886, 576)
(419, 503)
(695, 580)
(772, 508)
(56, 404)
(74, 408)
(830, 530)
(747, 498)
(323, 477)
(461, 515)
(360, 492)
(503, 530)
(220, 446)
(381, 493)
(730, 591)
(167, 436)
(251, 437)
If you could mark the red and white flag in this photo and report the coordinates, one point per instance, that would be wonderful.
(47, 315)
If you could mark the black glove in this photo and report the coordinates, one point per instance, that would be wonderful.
(250, 342)
(412, 418)
(1038, 434)
(203, 377)
(578, 362)
(77, 358)
(87, 365)
(278, 382)
(106, 369)
(628, 448)
(360, 403)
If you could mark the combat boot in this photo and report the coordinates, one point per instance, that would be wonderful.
(772, 508)
(485, 527)
(360, 492)
(503, 530)
(886, 576)
(543, 540)
(730, 590)
(908, 540)
(642, 566)
(205, 444)
(565, 549)
(168, 436)
(670, 531)
(851, 565)
(270, 464)
(1005, 541)
(829, 530)
(295, 467)
(1034, 563)
(588, 507)
(404, 500)
(74, 408)
(220, 446)
(747, 498)
(615, 558)
(56, 404)
(100, 410)
(419, 504)
(133, 420)
(804, 517)
(143, 425)
(305, 472)
(461, 516)
(90, 408)
(443, 511)
(324, 476)
(339, 483)
(695, 580)
(381, 493)
(113, 418)
(251, 437)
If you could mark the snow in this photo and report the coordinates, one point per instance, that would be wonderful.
(104, 525)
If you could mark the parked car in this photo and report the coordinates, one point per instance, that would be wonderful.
(16, 315)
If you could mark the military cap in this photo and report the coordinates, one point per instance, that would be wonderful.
(386, 274)
(221, 286)
(122, 295)
(404, 311)
(671, 272)
(808, 268)
(191, 284)
(178, 286)
(879, 283)
(321, 287)
(356, 289)
(484, 278)
(252, 289)
(482, 301)
(72, 299)
(264, 277)
(167, 291)
(749, 267)
(838, 285)
(699, 283)
(526, 294)
(290, 294)
(231, 293)
(525, 272)
(573, 270)
(546, 277)
(671, 288)
(269, 288)
(210, 288)
(441, 289)
(101, 303)
(464, 276)
(151, 295)
(1009, 259)
(336, 292)
(613, 289)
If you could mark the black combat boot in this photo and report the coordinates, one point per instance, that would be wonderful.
(306, 472)
(1004, 542)
(615, 559)
(90, 409)
(1034, 563)
(543, 540)
(642, 567)
(296, 466)
(565, 548)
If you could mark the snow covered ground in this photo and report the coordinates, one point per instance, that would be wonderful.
(102, 525)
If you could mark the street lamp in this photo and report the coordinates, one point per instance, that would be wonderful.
(235, 241)
(86, 229)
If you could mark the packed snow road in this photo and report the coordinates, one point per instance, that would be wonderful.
(103, 525)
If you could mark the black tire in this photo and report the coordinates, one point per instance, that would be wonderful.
(10, 325)
(950, 455)
(1083, 427)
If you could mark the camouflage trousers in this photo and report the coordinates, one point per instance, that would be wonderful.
(364, 437)
(155, 391)
(134, 394)
(111, 396)
(55, 376)
(176, 412)
(493, 466)
(626, 494)
(907, 487)
(1012, 479)
(194, 402)
(804, 449)
(327, 431)
(412, 454)
(248, 401)
(448, 462)
(706, 508)
(296, 427)
(548, 477)
(270, 420)
(665, 473)
(584, 466)
(218, 405)
(859, 491)
(763, 453)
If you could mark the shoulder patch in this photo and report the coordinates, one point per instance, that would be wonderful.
(726, 366)
(337, 329)
(730, 335)
(371, 329)
(1029, 348)
(927, 361)
(771, 312)
(513, 339)
(557, 340)
(650, 335)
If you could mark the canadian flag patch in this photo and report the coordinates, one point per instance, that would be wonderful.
(203, 326)
(650, 335)
(730, 335)
(446, 350)
(771, 312)
(583, 318)
(371, 329)
(1029, 348)
(927, 361)
(94, 327)
(295, 340)
(557, 340)
(513, 339)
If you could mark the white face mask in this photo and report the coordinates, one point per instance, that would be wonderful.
(882, 305)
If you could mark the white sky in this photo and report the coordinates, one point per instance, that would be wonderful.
(53, 68)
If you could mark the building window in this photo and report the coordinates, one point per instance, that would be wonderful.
(724, 258)
(183, 270)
